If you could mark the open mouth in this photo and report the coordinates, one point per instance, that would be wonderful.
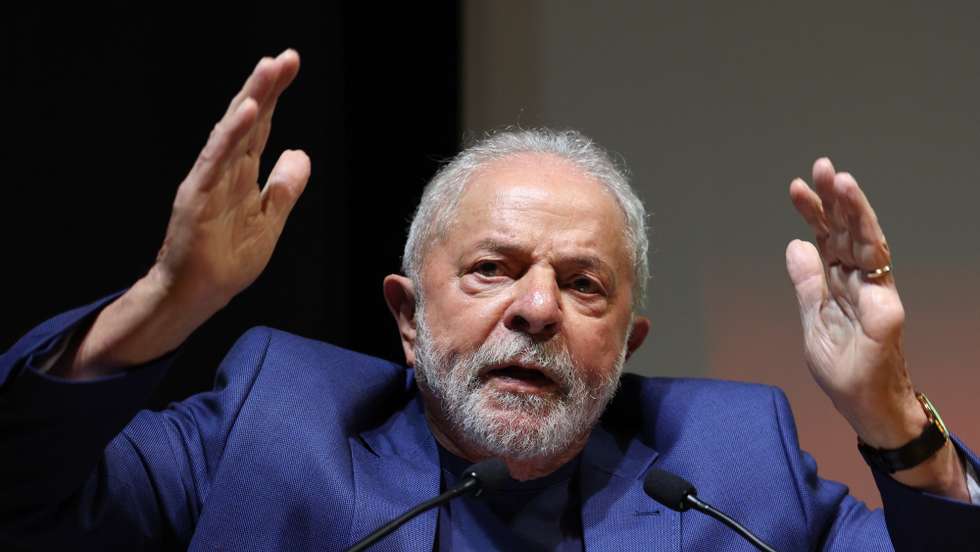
(519, 378)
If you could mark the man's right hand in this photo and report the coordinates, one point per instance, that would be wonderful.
(221, 235)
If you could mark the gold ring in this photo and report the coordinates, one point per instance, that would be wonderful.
(878, 272)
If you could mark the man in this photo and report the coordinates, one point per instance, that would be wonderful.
(524, 269)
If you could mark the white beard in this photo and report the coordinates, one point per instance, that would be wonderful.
(512, 424)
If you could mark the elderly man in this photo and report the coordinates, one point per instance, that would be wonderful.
(524, 269)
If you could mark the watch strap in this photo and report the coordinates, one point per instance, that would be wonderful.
(913, 453)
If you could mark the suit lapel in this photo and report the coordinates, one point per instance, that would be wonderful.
(616, 513)
(396, 466)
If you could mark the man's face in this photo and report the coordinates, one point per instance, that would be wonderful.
(527, 307)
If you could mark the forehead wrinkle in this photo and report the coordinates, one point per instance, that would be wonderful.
(502, 246)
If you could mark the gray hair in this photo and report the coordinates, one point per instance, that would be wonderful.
(442, 194)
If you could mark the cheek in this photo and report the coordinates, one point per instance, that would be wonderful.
(597, 348)
(461, 322)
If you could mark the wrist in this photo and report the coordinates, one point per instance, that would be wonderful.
(941, 474)
(916, 451)
(888, 422)
(196, 296)
(148, 321)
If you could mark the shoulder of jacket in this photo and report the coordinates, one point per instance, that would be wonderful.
(692, 401)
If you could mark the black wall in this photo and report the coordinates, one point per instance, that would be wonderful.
(111, 103)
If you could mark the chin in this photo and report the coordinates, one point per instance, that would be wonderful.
(519, 426)
(520, 405)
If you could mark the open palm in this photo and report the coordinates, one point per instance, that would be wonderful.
(852, 321)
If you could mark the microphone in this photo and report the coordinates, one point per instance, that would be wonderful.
(679, 495)
(488, 475)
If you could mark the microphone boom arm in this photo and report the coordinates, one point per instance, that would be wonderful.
(465, 487)
(710, 510)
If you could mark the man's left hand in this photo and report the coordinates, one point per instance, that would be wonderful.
(852, 323)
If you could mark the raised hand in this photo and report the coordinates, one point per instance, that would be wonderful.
(852, 322)
(223, 229)
(221, 234)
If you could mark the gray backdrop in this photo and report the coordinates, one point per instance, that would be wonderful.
(715, 107)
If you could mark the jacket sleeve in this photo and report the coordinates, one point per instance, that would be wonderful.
(914, 520)
(81, 467)
(922, 521)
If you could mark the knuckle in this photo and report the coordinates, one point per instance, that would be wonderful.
(212, 148)
(206, 155)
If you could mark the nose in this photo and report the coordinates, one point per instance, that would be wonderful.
(536, 308)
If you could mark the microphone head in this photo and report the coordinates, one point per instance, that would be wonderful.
(668, 489)
(489, 474)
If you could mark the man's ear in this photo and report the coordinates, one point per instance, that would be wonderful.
(400, 295)
(638, 333)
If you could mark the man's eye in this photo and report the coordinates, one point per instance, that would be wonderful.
(585, 285)
(488, 268)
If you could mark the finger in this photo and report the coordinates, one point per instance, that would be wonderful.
(869, 249)
(289, 67)
(258, 84)
(823, 183)
(809, 206)
(840, 286)
(806, 271)
(230, 133)
(838, 244)
(286, 183)
(222, 143)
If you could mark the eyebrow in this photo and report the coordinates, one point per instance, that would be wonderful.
(497, 246)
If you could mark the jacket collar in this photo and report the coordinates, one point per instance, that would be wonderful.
(616, 512)
(396, 466)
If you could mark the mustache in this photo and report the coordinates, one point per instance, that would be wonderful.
(551, 358)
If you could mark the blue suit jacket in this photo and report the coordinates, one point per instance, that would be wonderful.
(302, 445)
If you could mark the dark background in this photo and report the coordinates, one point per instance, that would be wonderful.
(109, 105)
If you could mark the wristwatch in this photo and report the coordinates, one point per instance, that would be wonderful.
(916, 451)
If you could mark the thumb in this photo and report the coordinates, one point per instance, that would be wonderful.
(285, 184)
(806, 272)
